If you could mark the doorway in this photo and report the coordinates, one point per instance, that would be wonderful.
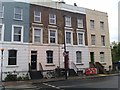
(34, 60)
(92, 57)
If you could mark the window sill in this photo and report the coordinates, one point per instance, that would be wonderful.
(50, 64)
(17, 19)
(79, 64)
(12, 66)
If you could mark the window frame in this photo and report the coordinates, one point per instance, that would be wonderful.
(78, 60)
(102, 25)
(68, 21)
(102, 58)
(70, 37)
(41, 34)
(80, 22)
(54, 19)
(13, 57)
(92, 24)
(103, 40)
(49, 30)
(78, 39)
(93, 41)
(37, 16)
(13, 26)
(21, 14)
(49, 57)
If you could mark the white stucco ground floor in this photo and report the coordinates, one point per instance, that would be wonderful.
(19, 58)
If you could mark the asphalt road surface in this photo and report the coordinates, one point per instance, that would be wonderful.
(101, 83)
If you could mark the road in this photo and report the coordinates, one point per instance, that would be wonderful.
(101, 83)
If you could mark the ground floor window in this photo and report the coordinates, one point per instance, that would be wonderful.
(12, 57)
(49, 54)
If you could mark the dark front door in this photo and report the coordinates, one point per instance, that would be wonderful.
(92, 57)
(33, 60)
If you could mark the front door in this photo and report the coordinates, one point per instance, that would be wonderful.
(34, 60)
(92, 57)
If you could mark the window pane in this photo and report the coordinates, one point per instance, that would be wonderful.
(37, 35)
(52, 18)
(102, 25)
(68, 21)
(93, 39)
(91, 24)
(18, 16)
(37, 18)
(78, 57)
(68, 37)
(37, 13)
(12, 57)
(18, 13)
(17, 37)
(17, 30)
(80, 38)
(80, 23)
(52, 36)
(18, 10)
(49, 56)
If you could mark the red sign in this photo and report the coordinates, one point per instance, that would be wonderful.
(90, 71)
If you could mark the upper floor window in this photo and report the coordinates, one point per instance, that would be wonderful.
(68, 21)
(68, 37)
(80, 23)
(103, 40)
(52, 19)
(18, 13)
(1, 11)
(93, 39)
(101, 25)
(92, 24)
(12, 57)
(78, 57)
(49, 54)
(80, 38)
(1, 31)
(102, 57)
(52, 36)
(37, 35)
(37, 16)
(17, 31)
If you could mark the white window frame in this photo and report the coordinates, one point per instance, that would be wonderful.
(37, 16)
(55, 36)
(92, 24)
(71, 37)
(22, 30)
(2, 11)
(68, 21)
(41, 35)
(93, 42)
(83, 43)
(102, 56)
(49, 57)
(18, 13)
(102, 25)
(54, 19)
(80, 59)
(80, 22)
(2, 32)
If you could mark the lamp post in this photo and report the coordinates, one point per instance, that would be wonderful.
(65, 52)
(1, 62)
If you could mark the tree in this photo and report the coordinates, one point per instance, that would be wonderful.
(115, 51)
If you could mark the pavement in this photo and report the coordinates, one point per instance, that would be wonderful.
(29, 84)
